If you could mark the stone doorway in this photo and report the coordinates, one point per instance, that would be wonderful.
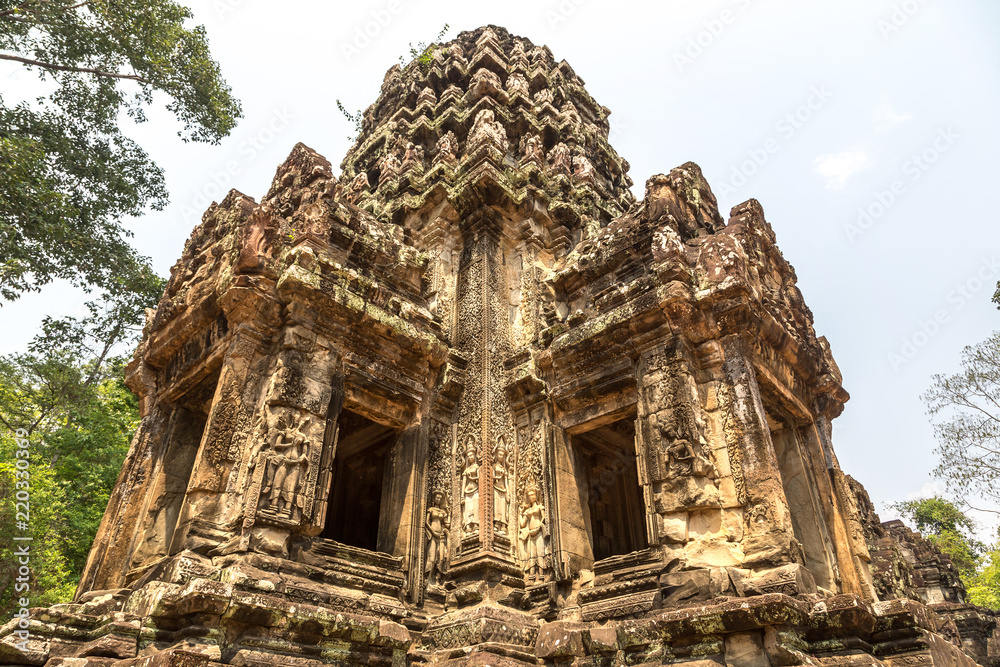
(803, 502)
(612, 498)
(185, 431)
(358, 490)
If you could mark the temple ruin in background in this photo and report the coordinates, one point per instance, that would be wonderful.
(472, 403)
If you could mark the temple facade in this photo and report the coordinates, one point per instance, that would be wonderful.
(472, 403)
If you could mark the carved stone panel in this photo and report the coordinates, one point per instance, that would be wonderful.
(484, 338)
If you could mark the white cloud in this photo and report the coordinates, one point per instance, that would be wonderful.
(885, 116)
(836, 168)
(932, 488)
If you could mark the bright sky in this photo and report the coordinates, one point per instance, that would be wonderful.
(866, 128)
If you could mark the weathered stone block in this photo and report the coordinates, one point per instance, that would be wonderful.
(685, 587)
(713, 552)
(291, 387)
(673, 527)
(603, 639)
(560, 639)
(689, 493)
(792, 579)
(704, 523)
(746, 649)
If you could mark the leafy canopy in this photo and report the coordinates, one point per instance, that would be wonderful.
(952, 531)
(67, 396)
(948, 528)
(66, 393)
(68, 175)
(77, 447)
(984, 589)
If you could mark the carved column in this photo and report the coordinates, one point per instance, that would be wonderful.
(484, 339)
(530, 297)
(539, 440)
(536, 532)
(284, 476)
(330, 438)
(679, 466)
(769, 538)
(434, 534)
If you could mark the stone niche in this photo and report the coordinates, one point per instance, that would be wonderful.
(471, 402)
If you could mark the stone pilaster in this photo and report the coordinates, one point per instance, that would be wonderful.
(769, 538)
(485, 426)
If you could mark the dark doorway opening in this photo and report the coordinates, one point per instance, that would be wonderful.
(613, 507)
(356, 497)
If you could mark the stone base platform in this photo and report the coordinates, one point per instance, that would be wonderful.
(231, 621)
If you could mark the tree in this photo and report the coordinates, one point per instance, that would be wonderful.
(68, 175)
(67, 399)
(968, 433)
(952, 531)
(984, 589)
(947, 528)
(75, 454)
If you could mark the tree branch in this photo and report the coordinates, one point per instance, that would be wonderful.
(11, 12)
(981, 509)
(108, 344)
(6, 423)
(24, 6)
(69, 68)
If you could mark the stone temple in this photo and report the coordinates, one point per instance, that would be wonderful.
(472, 403)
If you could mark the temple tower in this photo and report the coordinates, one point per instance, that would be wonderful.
(472, 403)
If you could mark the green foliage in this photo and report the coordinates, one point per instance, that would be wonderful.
(935, 516)
(51, 581)
(948, 528)
(966, 407)
(78, 437)
(354, 118)
(66, 394)
(984, 588)
(953, 532)
(68, 175)
(423, 53)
